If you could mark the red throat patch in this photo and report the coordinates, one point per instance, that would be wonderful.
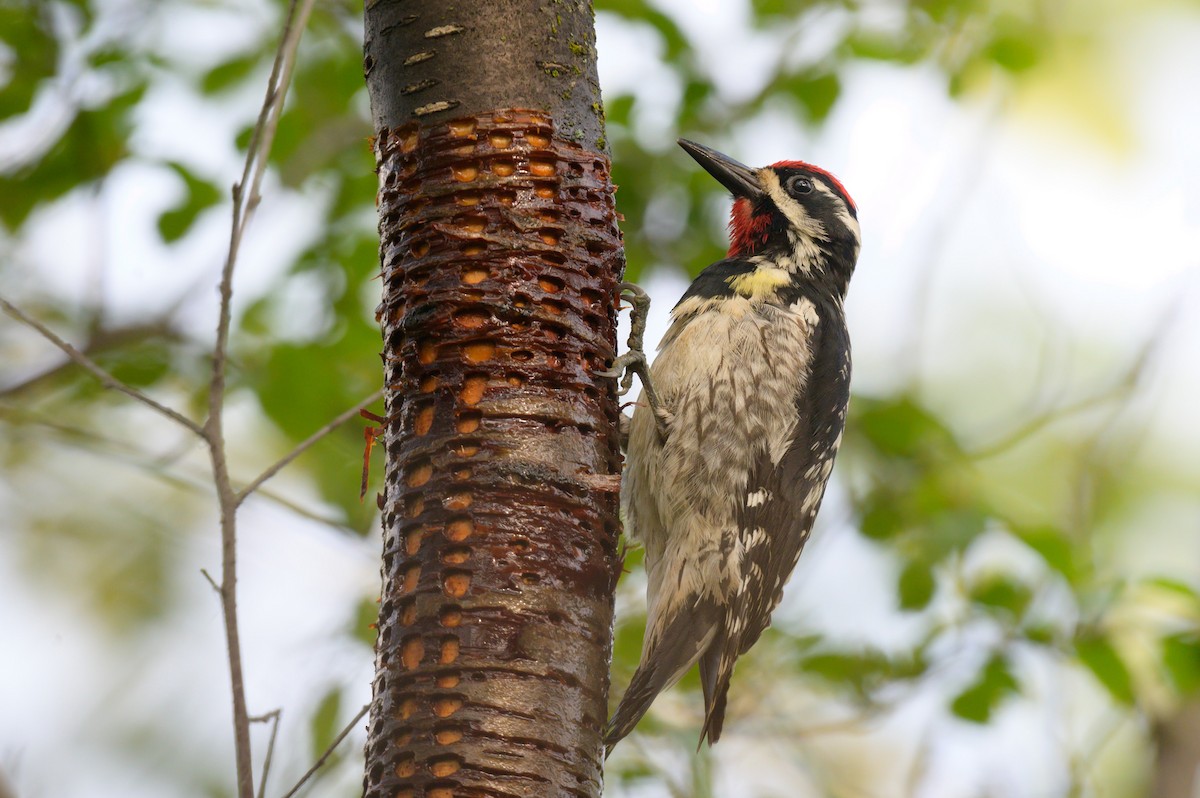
(746, 232)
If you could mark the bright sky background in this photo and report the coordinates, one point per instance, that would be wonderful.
(1015, 210)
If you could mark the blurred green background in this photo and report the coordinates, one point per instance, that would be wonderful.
(1001, 598)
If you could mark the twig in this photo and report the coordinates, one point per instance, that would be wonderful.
(212, 582)
(121, 452)
(101, 339)
(306, 445)
(328, 751)
(920, 764)
(244, 203)
(1040, 422)
(6, 791)
(937, 238)
(105, 378)
(273, 717)
(1122, 389)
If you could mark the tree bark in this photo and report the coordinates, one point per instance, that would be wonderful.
(501, 260)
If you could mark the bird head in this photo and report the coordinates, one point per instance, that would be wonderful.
(791, 211)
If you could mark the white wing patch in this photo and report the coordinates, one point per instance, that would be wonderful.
(758, 498)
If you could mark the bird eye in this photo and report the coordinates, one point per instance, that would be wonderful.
(799, 185)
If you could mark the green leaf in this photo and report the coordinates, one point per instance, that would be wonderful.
(1181, 659)
(1040, 634)
(1100, 657)
(301, 387)
(902, 49)
(1015, 45)
(864, 671)
(916, 586)
(999, 592)
(108, 56)
(230, 73)
(27, 36)
(324, 724)
(881, 518)
(366, 616)
(952, 529)
(640, 11)
(816, 92)
(1013, 53)
(695, 96)
(772, 8)
(140, 365)
(1175, 586)
(994, 683)
(852, 668)
(901, 428)
(118, 560)
(201, 195)
(618, 110)
(91, 146)
(1054, 547)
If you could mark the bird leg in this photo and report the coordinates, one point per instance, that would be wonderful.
(634, 360)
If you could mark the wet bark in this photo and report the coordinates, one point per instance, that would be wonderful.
(500, 262)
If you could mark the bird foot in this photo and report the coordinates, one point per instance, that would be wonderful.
(634, 360)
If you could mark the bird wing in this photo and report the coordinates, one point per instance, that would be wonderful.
(781, 504)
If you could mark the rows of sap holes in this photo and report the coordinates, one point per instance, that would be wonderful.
(457, 581)
(521, 307)
(480, 351)
(459, 527)
(474, 319)
(541, 165)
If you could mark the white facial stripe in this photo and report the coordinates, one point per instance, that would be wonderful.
(843, 212)
(794, 211)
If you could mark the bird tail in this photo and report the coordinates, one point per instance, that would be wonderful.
(715, 674)
(676, 649)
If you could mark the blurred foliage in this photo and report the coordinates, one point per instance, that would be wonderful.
(79, 75)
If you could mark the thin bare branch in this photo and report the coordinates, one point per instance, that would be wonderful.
(6, 791)
(105, 378)
(362, 713)
(120, 451)
(211, 582)
(307, 444)
(1121, 390)
(920, 764)
(273, 718)
(245, 200)
(1040, 422)
(103, 339)
(955, 199)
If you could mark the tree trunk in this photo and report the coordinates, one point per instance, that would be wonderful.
(501, 259)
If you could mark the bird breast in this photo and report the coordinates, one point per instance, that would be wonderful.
(731, 374)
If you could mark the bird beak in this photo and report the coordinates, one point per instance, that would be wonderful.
(737, 177)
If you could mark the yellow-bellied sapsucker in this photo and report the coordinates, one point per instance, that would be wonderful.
(728, 457)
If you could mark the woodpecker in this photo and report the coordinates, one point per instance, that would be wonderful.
(728, 456)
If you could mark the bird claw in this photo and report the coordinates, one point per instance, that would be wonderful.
(624, 367)
(634, 360)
